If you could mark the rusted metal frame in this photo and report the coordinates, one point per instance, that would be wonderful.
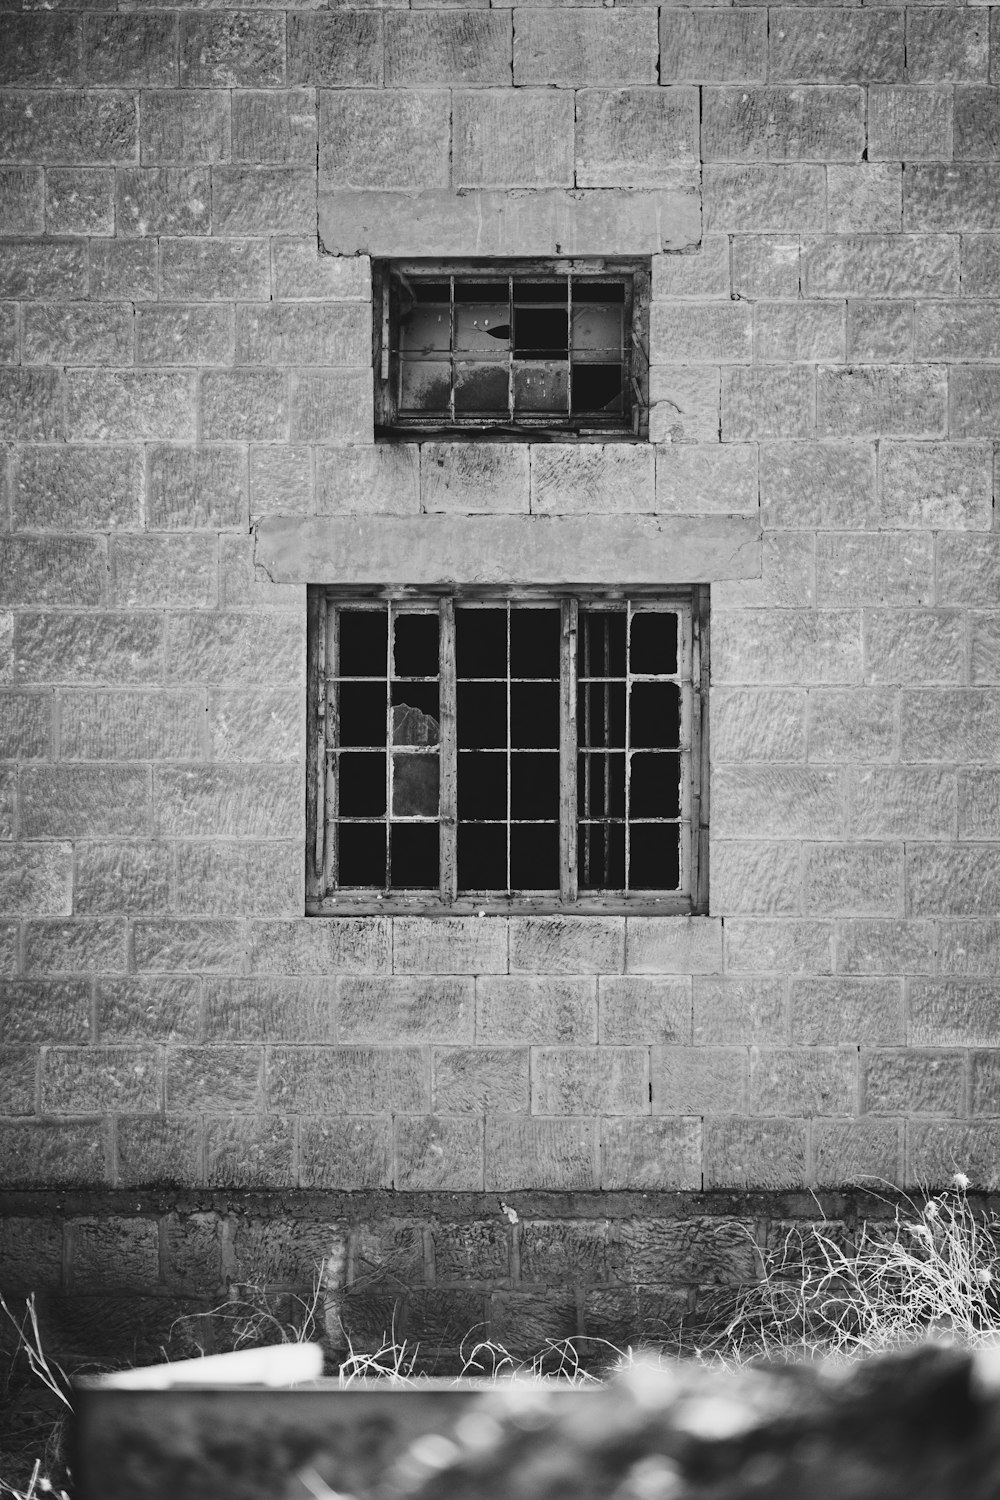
(568, 751)
(448, 751)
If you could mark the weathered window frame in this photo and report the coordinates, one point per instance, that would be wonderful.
(321, 808)
(388, 277)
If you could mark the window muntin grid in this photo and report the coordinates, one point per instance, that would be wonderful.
(541, 749)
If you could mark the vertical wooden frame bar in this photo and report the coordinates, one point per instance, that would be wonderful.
(568, 753)
(700, 674)
(331, 741)
(316, 742)
(448, 751)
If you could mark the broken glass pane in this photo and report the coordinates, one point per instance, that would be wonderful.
(415, 786)
(482, 326)
(415, 714)
(362, 642)
(597, 328)
(597, 387)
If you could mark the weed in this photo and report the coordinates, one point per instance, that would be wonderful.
(28, 1423)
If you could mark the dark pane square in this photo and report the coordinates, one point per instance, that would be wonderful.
(598, 291)
(534, 786)
(362, 714)
(481, 715)
(534, 642)
(655, 714)
(415, 646)
(602, 643)
(430, 291)
(363, 637)
(539, 292)
(415, 713)
(486, 290)
(541, 387)
(482, 785)
(534, 714)
(415, 785)
(540, 331)
(602, 856)
(600, 714)
(655, 786)
(654, 857)
(361, 785)
(361, 854)
(597, 388)
(482, 857)
(600, 785)
(653, 647)
(481, 387)
(414, 851)
(481, 642)
(534, 857)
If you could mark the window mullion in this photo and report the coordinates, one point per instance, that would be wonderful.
(330, 769)
(448, 752)
(568, 752)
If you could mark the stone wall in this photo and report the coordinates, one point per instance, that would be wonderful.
(189, 198)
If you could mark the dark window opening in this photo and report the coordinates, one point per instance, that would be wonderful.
(509, 750)
(513, 347)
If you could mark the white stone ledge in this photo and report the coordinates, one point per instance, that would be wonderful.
(510, 549)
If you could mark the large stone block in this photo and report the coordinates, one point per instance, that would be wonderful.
(766, 265)
(762, 876)
(590, 477)
(147, 1010)
(973, 400)
(281, 479)
(274, 128)
(342, 50)
(34, 1011)
(649, 1155)
(777, 802)
(243, 879)
(348, 1080)
(818, 45)
(332, 406)
(155, 1151)
(947, 44)
(32, 404)
(32, 1253)
(346, 1154)
(953, 724)
(80, 200)
(194, 487)
(739, 1153)
(980, 263)
(881, 401)
(22, 200)
(40, 49)
(984, 1090)
(890, 802)
(55, 570)
(423, 48)
(67, 128)
(879, 332)
(864, 198)
(163, 200)
(245, 405)
(372, 139)
(763, 198)
(939, 1149)
(913, 1082)
(530, 1153)
(860, 1149)
(590, 1080)
(287, 334)
(53, 1154)
(563, 1252)
(853, 880)
(913, 123)
(773, 401)
(80, 801)
(636, 1010)
(880, 265)
(407, 1010)
(504, 138)
(684, 404)
(842, 1012)
(938, 486)
(977, 124)
(954, 331)
(481, 1080)
(214, 1080)
(189, 128)
(780, 646)
(567, 945)
(736, 1011)
(698, 1080)
(853, 724)
(244, 801)
(951, 198)
(804, 1081)
(703, 273)
(167, 571)
(266, 1009)
(209, 270)
(743, 124)
(632, 137)
(804, 332)
(339, 945)
(302, 272)
(83, 648)
(451, 945)
(112, 1252)
(969, 947)
(248, 1153)
(60, 947)
(25, 726)
(713, 46)
(434, 1154)
(185, 946)
(978, 804)
(123, 268)
(263, 200)
(701, 333)
(969, 570)
(760, 945)
(61, 485)
(874, 569)
(953, 1013)
(129, 877)
(581, 47)
(532, 1010)
(122, 405)
(477, 1251)
(137, 50)
(256, 726)
(238, 50)
(200, 335)
(77, 1080)
(758, 724)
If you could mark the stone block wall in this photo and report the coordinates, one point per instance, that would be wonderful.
(189, 200)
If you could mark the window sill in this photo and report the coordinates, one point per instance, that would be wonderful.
(513, 906)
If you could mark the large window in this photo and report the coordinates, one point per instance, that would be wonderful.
(511, 346)
(535, 751)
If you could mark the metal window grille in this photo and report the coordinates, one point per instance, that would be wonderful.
(524, 751)
(520, 345)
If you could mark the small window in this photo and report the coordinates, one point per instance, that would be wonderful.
(513, 347)
(515, 752)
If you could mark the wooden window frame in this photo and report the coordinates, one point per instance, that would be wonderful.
(322, 900)
(630, 426)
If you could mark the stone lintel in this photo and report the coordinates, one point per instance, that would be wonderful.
(437, 549)
(551, 221)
